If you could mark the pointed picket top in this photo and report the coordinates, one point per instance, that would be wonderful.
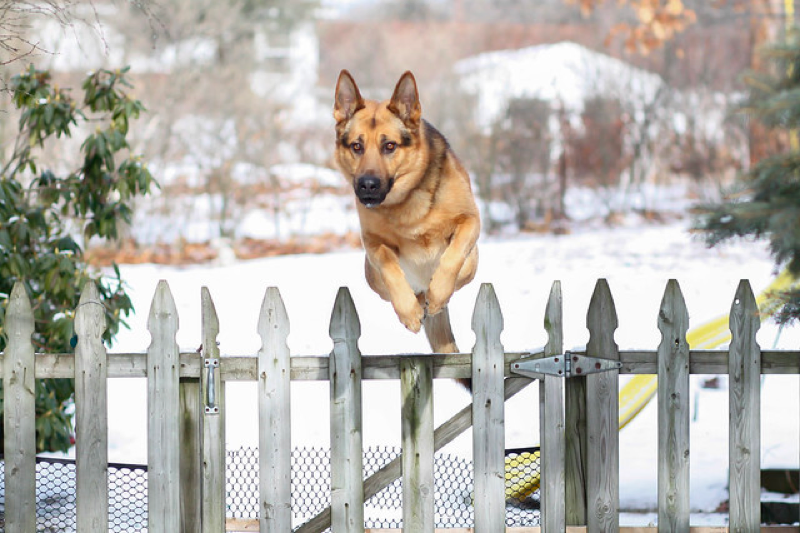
(601, 319)
(163, 315)
(208, 316)
(744, 310)
(345, 324)
(553, 321)
(273, 318)
(487, 316)
(19, 315)
(90, 316)
(672, 314)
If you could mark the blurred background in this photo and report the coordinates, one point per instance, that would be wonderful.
(565, 112)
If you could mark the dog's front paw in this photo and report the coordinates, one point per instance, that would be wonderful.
(411, 314)
(439, 294)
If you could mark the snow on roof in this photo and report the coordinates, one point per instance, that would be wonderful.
(565, 72)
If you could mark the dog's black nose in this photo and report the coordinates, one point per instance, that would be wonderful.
(368, 185)
(369, 191)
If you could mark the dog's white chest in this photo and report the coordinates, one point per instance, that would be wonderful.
(419, 265)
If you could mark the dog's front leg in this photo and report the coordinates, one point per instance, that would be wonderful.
(449, 274)
(386, 277)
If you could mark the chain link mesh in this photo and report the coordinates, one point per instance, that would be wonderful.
(127, 485)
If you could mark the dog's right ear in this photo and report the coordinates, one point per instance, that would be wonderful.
(348, 98)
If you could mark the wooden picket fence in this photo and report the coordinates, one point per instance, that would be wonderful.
(578, 416)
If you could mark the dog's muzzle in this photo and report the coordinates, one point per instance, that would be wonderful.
(369, 191)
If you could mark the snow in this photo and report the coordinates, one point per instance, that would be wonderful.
(636, 260)
(565, 73)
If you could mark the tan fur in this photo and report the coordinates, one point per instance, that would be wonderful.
(420, 239)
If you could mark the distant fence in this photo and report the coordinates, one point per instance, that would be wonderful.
(578, 413)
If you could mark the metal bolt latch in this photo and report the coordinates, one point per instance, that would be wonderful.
(211, 393)
(566, 365)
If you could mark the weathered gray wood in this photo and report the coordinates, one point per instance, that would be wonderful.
(212, 423)
(673, 412)
(347, 489)
(190, 455)
(744, 387)
(163, 415)
(551, 409)
(443, 435)
(602, 409)
(91, 414)
(488, 413)
(379, 367)
(575, 450)
(416, 388)
(19, 389)
(274, 415)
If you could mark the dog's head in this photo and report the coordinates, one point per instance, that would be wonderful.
(378, 143)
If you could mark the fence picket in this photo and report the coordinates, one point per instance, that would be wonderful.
(744, 389)
(163, 405)
(19, 387)
(416, 388)
(191, 455)
(212, 422)
(91, 414)
(488, 413)
(275, 444)
(347, 489)
(551, 408)
(602, 430)
(673, 412)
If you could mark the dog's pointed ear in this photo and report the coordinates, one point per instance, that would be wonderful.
(405, 100)
(348, 99)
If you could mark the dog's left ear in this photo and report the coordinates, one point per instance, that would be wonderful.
(405, 100)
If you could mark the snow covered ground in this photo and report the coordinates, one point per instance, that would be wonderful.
(636, 260)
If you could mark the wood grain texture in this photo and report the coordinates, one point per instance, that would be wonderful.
(602, 431)
(673, 412)
(488, 413)
(191, 454)
(347, 489)
(744, 389)
(212, 425)
(91, 414)
(274, 415)
(551, 409)
(163, 414)
(416, 389)
(19, 389)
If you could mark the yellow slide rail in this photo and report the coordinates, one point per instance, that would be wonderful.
(522, 470)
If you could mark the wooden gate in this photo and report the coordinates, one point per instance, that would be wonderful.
(578, 413)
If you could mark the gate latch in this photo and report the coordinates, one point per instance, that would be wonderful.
(211, 364)
(564, 365)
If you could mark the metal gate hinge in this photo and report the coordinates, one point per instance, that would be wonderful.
(565, 365)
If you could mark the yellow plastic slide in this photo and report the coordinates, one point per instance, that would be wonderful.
(522, 471)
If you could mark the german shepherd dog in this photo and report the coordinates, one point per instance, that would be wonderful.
(419, 220)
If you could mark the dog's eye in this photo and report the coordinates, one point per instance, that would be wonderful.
(357, 147)
(389, 147)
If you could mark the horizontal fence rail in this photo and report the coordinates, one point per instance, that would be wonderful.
(186, 408)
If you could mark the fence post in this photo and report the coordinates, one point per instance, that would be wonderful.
(602, 416)
(416, 388)
(91, 413)
(551, 410)
(19, 418)
(347, 488)
(673, 412)
(212, 422)
(744, 379)
(274, 416)
(488, 413)
(163, 417)
(191, 455)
